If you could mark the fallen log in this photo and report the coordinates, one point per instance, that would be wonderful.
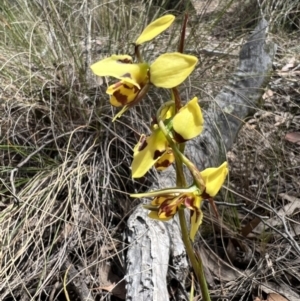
(154, 245)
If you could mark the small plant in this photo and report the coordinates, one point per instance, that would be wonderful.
(173, 125)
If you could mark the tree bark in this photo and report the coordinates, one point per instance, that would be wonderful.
(152, 244)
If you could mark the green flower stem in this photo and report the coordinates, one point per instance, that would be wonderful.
(193, 169)
(196, 263)
(180, 178)
(181, 182)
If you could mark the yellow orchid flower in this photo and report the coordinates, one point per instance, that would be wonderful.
(166, 206)
(167, 201)
(155, 28)
(214, 178)
(133, 77)
(155, 149)
(168, 71)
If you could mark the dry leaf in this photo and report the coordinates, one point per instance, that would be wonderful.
(289, 65)
(289, 74)
(276, 297)
(269, 93)
(293, 137)
(217, 266)
(272, 288)
(110, 282)
(108, 288)
(288, 210)
(247, 229)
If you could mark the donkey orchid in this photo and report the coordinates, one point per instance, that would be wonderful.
(172, 126)
(167, 71)
(154, 149)
(166, 206)
(167, 201)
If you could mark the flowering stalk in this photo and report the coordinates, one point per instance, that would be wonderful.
(181, 182)
(173, 125)
(196, 263)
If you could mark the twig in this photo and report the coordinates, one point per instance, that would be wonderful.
(285, 235)
(267, 207)
(227, 204)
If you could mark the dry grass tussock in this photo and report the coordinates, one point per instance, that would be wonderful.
(65, 168)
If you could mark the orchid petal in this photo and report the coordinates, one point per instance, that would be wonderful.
(147, 152)
(196, 221)
(193, 202)
(121, 67)
(171, 69)
(188, 122)
(154, 215)
(162, 198)
(122, 93)
(165, 160)
(169, 207)
(214, 178)
(155, 28)
(167, 112)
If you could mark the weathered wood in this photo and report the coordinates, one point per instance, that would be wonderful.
(154, 244)
(237, 100)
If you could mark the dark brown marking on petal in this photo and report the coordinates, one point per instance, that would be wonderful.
(128, 75)
(158, 154)
(143, 143)
(123, 99)
(125, 61)
(167, 209)
(153, 120)
(157, 200)
(126, 86)
(205, 195)
(163, 207)
(135, 89)
(178, 138)
(164, 164)
(197, 214)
